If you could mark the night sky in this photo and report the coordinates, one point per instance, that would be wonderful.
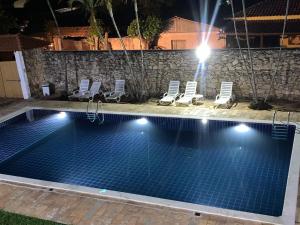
(194, 9)
(37, 12)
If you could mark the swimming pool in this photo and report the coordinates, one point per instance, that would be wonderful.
(222, 164)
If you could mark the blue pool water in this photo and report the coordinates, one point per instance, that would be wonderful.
(219, 163)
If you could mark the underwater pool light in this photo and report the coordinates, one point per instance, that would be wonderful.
(242, 128)
(203, 52)
(62, 115)
(204, 121)
(142, 121)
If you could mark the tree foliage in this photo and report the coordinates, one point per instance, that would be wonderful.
(91, 6)
(151, 27)
(96, 29)
(132, 30)
(7, 22)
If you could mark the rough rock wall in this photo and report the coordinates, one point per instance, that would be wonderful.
(163, 66)
(35, 65)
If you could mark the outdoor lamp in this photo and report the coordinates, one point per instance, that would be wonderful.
(203, 52)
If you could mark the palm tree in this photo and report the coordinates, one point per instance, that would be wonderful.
(253, 80)
(253, 88)
(90, 6)
(59, 34)
(279, 64)
(135, 3)
(135, 88)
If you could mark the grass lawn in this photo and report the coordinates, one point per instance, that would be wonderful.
(15, 219)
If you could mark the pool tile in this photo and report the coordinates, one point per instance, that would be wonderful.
(137, 169)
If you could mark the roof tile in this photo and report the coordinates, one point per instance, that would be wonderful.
(271, 8)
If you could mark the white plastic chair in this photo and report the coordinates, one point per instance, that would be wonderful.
(190, 92)
(94, 90)
(173, 92)
(83, 88)
(225, 95)
(117, 93)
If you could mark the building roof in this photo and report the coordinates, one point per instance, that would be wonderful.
(18, 42)
(264, 27)
(271, 8)
(71, 31)
(182, 25)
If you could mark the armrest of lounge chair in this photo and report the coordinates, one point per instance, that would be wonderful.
(76, 91)
(217, 97)
(165, 94)
(181, 95)
(233, 97)
(107, 94)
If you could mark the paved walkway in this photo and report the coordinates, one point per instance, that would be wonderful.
(73, 208)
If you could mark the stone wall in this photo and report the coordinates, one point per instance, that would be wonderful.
(163, 66)
(35, 65)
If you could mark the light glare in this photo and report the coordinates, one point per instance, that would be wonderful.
(62, 115)
(204, 121)
(142, 121)
(242, 128)
(203, 52)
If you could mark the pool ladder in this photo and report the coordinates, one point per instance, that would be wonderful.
(93, 116)
(280, 131)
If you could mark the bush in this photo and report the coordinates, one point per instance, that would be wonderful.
(260, 105)
(150, 29)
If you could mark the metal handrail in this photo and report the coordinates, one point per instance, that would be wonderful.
(89, 113)
(96, 114)
(289, 116)
(274, 116)
(288, 119)
(102, 114)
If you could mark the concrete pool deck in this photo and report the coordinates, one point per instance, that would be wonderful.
(73, 208)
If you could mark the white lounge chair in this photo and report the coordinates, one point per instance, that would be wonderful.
(225, 95)
(173, 92)
(190, 92)
(83, 88)
(94, 90)
(117, 93)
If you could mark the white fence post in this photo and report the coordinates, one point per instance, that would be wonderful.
(22, 74)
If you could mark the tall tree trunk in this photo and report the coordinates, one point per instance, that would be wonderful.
(59, 34)
(96, 42)
(239, 46)
(106, 41)
(141, 47)
(94, 20)
(279, 64)
(136, 88)
(253, 82)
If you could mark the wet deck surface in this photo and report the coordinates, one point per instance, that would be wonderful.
(74, 208)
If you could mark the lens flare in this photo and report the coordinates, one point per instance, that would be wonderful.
(203, 52)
